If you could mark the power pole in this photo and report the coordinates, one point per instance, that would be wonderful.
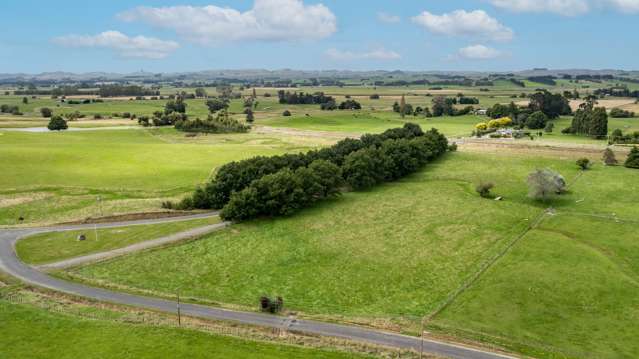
(178, 310)
(421, 349)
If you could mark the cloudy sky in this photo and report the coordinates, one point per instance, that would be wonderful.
(174, 36)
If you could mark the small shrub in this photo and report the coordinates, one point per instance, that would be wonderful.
(483, 188)
(268, 305)
(168, 205)
(583, 163)
(46, 112)
(609, 157)
(549, 127)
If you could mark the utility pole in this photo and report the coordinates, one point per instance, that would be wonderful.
(178, 310)
(421, 347)
(95, 225)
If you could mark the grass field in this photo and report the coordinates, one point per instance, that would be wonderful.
(566, 290)
(392, 252)
(384, 257)
(373, 122)
(31, 332)
(51, 177)
(56, 246)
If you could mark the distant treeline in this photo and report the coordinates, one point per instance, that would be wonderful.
(103, 91)
(424, 82)
(301, 98)
(126, 90)
(546, 80)
(616, 92)
(56, 91)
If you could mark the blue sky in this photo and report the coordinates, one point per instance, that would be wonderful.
(186, 35)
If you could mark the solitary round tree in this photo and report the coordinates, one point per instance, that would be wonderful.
(546, 184)
(536, 120)
(57, 123)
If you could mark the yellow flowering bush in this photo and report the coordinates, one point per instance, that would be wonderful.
(482, 126)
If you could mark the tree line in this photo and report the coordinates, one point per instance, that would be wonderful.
(281, 184)
(301, 98)
(126, 90)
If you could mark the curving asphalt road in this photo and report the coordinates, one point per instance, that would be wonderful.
(10, 264)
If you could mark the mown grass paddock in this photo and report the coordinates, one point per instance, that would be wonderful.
(396, 253)
(385, 257)
(55, 177)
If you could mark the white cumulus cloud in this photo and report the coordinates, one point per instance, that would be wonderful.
(566, 7)
(629, 6)
(475, 23)
(273, 20)
(563, 7)
(388, 18)
(478, 52)
(378, 54)
(138, 46)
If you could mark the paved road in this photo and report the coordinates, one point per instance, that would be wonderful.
(173, 238)
(10, 264)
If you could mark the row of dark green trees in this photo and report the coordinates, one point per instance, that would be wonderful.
(280, 185)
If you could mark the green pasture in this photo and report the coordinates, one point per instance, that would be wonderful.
(31, 332)
(56, 246)
(393, 252)
(52, 177)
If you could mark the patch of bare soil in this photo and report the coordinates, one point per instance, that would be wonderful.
(607, 103)
(561, 151)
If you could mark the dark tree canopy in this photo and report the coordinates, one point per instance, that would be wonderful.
(552, 105)
(57, 123)
(633, 158)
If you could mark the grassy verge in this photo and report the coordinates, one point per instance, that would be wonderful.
(31, 332)
(56, 246)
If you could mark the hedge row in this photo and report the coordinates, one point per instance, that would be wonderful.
(236, 176)
(392, 159)
(287, 191)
